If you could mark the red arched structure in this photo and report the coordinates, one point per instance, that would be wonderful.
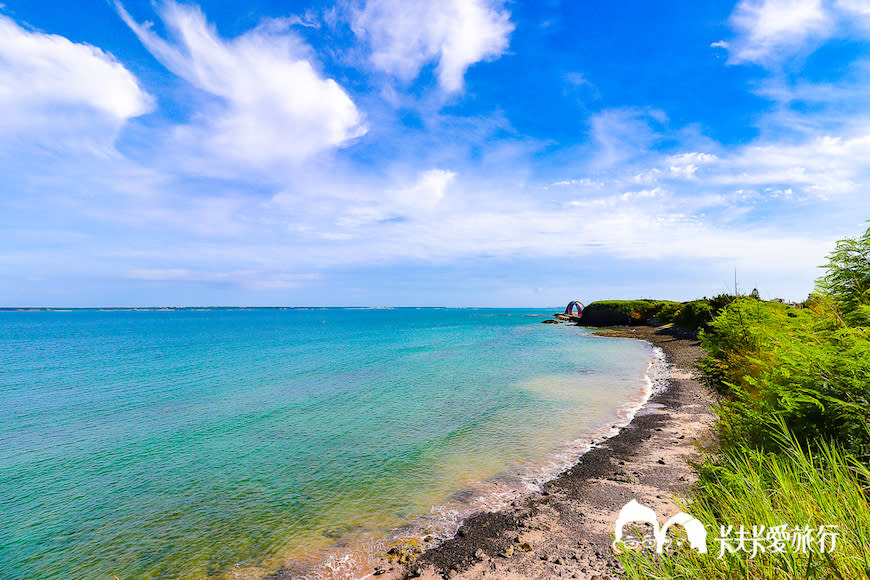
(574, 305)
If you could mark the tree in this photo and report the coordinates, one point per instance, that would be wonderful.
(847, 278)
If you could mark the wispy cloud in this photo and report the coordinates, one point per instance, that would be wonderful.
(254, 279)
(275, 105)
(406, 35)
(625, 134)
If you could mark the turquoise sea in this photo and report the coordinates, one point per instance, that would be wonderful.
(230, 442)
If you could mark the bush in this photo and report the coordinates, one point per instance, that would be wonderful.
(800, 365)
(694, 314)
(613, 312)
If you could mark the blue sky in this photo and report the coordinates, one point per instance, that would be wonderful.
(459, 153)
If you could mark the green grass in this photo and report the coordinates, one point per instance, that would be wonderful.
(748, 487)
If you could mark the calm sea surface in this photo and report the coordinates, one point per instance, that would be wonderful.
(190, 444)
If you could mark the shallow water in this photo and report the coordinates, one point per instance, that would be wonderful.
(183, 444)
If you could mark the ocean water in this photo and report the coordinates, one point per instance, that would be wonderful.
(226, 443)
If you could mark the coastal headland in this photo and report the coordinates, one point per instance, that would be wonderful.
(566, 529)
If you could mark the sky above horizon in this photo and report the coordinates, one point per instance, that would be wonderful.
(456, 153)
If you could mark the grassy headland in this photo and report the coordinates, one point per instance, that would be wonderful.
(793, 429)
(694, 314)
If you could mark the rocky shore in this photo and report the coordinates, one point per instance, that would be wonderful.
(565, 530)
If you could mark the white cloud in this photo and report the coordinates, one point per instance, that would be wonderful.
(719, 44)
(860, 7)
(275, 105)
(770, 30)
(429, 189)
(584, 182)
(824, 166)
(419, 200)
(854, 15)
(49, 84)
(685, 165)
(406, 35)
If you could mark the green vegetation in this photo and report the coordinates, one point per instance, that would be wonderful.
(692, 315)
(625, 311)
(802, 365)
(793, 430)
(847, 280)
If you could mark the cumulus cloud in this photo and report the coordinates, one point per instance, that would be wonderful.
(50, 84)
(406, 35)
(770, 30)
(275, 105)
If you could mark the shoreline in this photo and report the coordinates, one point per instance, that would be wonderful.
(565, 529)
(365, 558)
